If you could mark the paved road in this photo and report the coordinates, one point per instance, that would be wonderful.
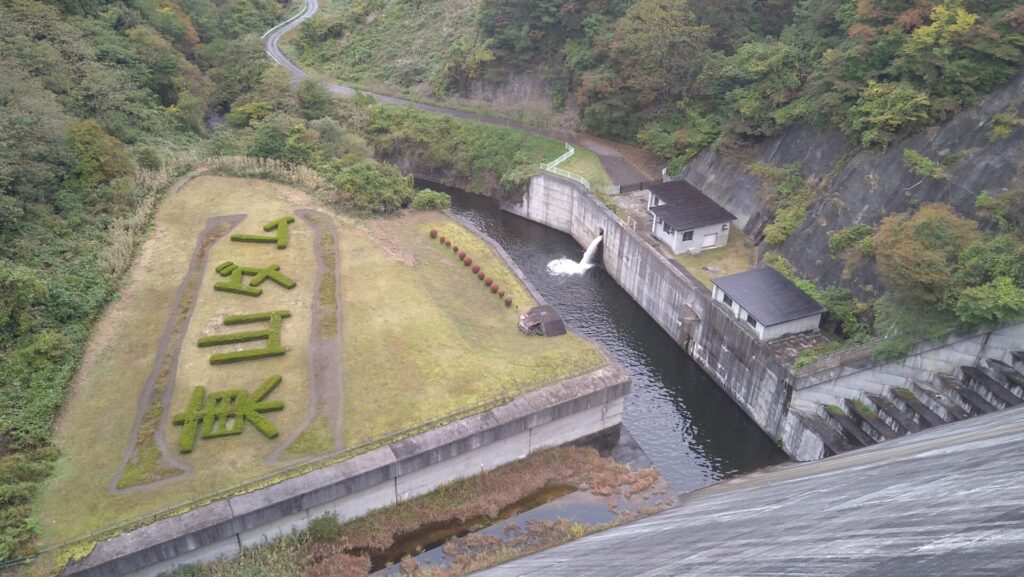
(624, 164)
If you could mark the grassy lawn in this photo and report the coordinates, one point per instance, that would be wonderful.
(586, 164)
(460, 345)
(737, 256)
(421, 338)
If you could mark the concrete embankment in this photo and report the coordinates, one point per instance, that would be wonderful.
(552, 416)
(733, 356)
(944, 502)
(783, 402)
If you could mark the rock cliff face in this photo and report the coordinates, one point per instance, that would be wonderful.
(525, 95)
(864, 186)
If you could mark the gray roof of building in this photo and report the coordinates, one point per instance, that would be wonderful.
(768, 296)
(686, 207)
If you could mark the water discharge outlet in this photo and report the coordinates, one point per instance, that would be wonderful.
(565, 266)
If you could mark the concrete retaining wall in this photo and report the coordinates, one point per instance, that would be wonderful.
(727, 348)
(552, 416)
(723, 346)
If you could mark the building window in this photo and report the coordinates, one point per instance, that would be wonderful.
(751, 321)
(725, 227)
(688, 236)
(665, 227)
(726, 299)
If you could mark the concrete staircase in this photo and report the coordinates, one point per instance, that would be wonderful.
(873, 418)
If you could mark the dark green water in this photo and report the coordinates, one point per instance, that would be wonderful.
(688, 426)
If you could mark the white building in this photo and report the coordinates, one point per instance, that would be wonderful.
(768, 302)
(685, 219)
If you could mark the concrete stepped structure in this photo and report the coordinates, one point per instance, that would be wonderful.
(945, 502)
(875, 417)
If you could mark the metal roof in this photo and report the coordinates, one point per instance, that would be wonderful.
(768, 296)
(687, 208)
(544, 317)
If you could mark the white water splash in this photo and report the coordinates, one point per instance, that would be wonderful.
(566, 267)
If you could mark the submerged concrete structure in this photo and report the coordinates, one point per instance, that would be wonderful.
(945, 502)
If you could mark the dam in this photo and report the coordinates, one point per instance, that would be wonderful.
(947, 501)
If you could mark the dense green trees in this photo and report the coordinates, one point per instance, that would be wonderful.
(943, 272)
(91, 89)
(678, 75)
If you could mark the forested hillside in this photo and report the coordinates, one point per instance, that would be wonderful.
(798, 108)
(102, 106)
(680, 75)
(93, 95)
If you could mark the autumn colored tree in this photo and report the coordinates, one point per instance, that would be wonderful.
(957, 56)
(919, 254)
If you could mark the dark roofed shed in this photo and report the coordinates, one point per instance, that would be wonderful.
(768, 296)
(685, 207)
(542, 320)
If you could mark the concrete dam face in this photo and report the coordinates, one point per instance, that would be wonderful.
(946, 501)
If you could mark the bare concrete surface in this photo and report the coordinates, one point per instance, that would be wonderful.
(947, 501)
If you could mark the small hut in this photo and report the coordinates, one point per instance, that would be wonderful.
(542, 320)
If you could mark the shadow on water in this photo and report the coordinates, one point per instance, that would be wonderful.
(692, 430)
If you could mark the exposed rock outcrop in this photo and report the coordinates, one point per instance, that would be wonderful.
(864, 186)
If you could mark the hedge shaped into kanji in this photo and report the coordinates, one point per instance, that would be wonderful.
(280, 239)
(211, 416)
(272, 334)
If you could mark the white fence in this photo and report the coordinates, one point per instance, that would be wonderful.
(552, 167)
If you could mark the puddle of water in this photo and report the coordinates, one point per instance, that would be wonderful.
(577, 506)
(431, 536)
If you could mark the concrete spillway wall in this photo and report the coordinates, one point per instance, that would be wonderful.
(548, 417)
(766, 389)
(944, 502)
(733, 356)
(923, 364)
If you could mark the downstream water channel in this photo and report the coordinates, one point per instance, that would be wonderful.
(686, 424)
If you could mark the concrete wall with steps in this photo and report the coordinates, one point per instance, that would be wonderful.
(923, 363)
(552, 416)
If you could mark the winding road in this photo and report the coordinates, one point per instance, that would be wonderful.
(625, 164)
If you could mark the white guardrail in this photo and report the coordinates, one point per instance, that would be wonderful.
(553, 167)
